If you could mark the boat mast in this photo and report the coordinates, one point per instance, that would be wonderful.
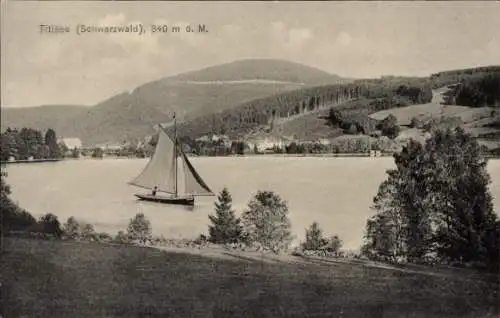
(175, 156)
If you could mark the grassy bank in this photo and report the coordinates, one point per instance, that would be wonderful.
(70, 279)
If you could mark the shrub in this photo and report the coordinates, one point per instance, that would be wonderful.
(98, 153)
(49, 224)
(139, 229)
(333, 244)
(316, 242)
(72, 228)
(122, 238)
(352, 130)
(314, 238)
(389, 127)
(13, 217)
(266, 221)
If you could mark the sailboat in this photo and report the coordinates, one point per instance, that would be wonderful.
(162, 171)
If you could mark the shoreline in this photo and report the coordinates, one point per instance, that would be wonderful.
(31, 161)
(327, 155)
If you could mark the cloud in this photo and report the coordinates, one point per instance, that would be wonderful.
(299, 37)
(58, 68)
(343, 39)
(289, 38)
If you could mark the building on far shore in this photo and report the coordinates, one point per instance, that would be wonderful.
(263, 143)
(71, 143)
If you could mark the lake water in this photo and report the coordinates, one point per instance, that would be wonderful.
(336, 192)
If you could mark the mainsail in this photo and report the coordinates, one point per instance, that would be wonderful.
(160, 170)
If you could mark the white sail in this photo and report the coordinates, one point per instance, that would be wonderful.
(160, 170)
(193, 183)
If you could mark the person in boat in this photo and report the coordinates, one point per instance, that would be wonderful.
(155, 189)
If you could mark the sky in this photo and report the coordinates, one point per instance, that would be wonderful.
(351, 39)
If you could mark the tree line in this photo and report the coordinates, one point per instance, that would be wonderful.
(264, 223)
(446, 78)
(27, 142)
(478, 91)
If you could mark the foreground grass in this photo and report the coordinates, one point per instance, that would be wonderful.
(69, 279)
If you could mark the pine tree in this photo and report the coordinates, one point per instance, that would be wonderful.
(51, 142)
(226, 227)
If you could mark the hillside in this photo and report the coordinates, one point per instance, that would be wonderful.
(96, 280)
(278, 97)
(190, 95)
(302, 114)
(367, 96)
(41, 117)
(471, 102)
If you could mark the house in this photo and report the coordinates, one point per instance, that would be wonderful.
(324, 141)
(268, 142)
(71, 143)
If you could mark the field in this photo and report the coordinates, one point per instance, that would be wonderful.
(436, 108)
(63, 279)
(405, 114)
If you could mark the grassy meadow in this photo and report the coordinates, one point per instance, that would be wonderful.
(71, 279)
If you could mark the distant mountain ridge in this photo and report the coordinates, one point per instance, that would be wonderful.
(192, 94)
(40, 117)
(260, 69)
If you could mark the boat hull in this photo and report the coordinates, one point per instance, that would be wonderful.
(166, 200)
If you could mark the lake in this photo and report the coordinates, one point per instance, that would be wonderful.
(335, 192)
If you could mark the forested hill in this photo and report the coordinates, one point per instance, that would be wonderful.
(381, 94)
(191, 95)
(244, 96)
(476, 87)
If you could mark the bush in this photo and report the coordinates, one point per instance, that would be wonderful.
(71, 228)
(316, 242)
(314, 238)
(13, 218)
(266, 221)
(389, 127)
(88, 232)
(122, 238)
(49, 224)
(333, 244)
(139, 229)
(98, 153)
(201, 240)
(352, 130)
(75, 230)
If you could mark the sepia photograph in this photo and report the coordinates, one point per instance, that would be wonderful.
(250, 159)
